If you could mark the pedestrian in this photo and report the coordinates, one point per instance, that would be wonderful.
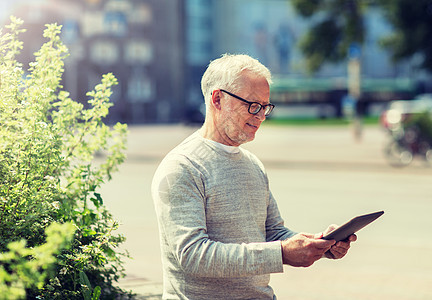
(221, 232)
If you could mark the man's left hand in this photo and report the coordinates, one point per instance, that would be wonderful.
(340, 249)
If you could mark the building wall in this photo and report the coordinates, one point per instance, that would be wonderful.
(140, 41)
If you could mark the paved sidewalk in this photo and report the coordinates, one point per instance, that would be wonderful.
(142, 287)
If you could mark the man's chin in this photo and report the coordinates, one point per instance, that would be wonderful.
(245, 138)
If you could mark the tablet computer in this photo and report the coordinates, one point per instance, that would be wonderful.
(343, 232)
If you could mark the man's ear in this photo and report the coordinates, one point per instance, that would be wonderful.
(216, 99)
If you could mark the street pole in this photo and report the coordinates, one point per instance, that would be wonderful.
(354, 87)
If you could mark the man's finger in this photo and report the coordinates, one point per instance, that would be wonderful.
(323, 244)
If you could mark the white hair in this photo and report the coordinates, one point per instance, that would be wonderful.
(225, 72)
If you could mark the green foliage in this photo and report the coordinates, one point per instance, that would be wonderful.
(307, 8)
(23, 267)
(412, 23)
(320, 44)
(422, 121)
(337, 24)
(86, 288)
(48, 171)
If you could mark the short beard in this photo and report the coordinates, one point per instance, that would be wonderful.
(236, 134)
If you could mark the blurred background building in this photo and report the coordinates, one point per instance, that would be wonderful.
(159, 49)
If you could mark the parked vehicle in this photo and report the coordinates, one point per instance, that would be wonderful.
(409, 124)
(400, 111)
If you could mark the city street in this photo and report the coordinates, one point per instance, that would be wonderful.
(319, 176)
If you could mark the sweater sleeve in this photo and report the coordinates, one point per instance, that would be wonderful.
(178, 191)
(275, 229)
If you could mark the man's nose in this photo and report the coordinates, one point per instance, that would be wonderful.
(261, 115)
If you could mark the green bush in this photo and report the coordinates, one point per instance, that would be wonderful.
(422, 121)
(48, 173)
(23, 267)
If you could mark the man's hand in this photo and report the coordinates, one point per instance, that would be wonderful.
(340, 249)
(303, 249)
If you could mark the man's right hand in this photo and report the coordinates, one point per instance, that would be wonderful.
(303, 249)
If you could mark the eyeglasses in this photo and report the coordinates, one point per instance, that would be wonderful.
(254, 107)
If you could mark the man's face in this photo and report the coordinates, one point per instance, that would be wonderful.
(236, 125)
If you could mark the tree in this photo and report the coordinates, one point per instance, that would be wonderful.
(412, 35)
(337, 30)
(337, 25)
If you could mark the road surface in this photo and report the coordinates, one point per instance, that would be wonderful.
(319, 176)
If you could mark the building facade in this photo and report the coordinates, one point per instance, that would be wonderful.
(140, 41)
(159, 49)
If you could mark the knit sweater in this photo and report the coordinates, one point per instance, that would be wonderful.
(220, 227)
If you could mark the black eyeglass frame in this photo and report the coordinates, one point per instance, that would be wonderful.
(272, 106)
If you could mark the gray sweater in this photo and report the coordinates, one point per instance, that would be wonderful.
(220, 228)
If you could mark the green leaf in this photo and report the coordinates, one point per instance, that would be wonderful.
(85, 286)
(96, 293)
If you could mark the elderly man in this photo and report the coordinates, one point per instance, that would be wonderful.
(220, 228)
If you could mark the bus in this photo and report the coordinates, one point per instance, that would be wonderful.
(324, 97)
